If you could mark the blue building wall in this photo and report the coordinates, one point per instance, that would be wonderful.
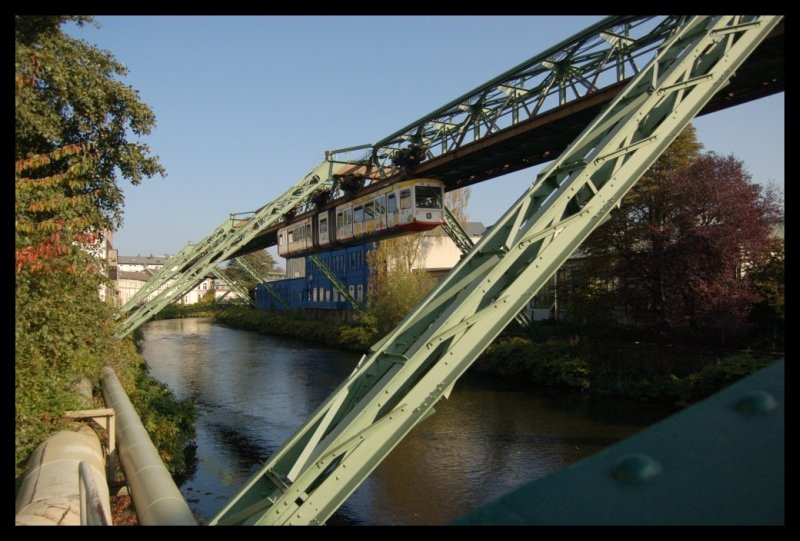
(315, 290)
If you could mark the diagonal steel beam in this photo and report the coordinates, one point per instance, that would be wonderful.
(261, 280)
(233, 286)
(399, 381)
(340, 287)
(233, 235)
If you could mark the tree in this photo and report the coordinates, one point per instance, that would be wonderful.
(768, 278)
(457, 201)
(72, 123)
(394, 286)
(672, 257)
(261, 260)
(73, 119)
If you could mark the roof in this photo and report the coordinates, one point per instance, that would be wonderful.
(473, 229)
(139, 260)
(141, 276)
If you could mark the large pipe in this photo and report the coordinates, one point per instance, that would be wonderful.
(50, 492)
(155, 496)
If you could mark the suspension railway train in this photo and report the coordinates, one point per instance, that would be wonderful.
(411, 205)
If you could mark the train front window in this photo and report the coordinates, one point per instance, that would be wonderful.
(429, 197)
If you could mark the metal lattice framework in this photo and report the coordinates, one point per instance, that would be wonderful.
(233, 286)
(261, 280)
(602, 55)
(398, 383)
(183, 274)
(340, 287)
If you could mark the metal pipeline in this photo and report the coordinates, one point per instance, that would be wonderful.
(158, 501)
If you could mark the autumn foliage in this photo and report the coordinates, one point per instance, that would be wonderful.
(675, 257)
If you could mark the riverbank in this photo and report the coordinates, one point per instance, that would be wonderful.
(558, 356)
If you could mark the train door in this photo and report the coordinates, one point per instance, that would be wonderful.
(369, 217)
(323, 232)
(344, 223)
(358, 220)
(406, 206)
(380, 213)
(392, 216)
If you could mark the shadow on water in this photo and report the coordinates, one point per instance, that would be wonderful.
(254, 391)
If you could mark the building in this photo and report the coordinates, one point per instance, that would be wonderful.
(134, 271)
(306, 287)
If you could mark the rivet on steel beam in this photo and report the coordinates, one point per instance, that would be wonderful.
(636, 469)
(756, 403)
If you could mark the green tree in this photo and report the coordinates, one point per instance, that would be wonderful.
(768, 278)
(261, 261)
(73, 122)
(395, 287)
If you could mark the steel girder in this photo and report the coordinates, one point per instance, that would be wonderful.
(224, 242)
(330, 275)
(462, 241)
(260, 279)
(397, 384)
(600, 56)
(233, 286)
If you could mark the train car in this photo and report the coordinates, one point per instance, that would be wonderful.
(411, 205)
(296, 238)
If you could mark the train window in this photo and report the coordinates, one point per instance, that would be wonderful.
(369, 210)
(391, 203)
(358, 214)
(323, 226)
(308, 230)
(280, 239)
(429, 197)
(290, 235)
(339, 220)
(405, 199)
(380, 207)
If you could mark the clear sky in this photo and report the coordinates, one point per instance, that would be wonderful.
(246, 106)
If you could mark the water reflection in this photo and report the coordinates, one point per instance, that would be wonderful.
(253, 391)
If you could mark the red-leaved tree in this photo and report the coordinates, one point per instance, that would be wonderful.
(674, 257)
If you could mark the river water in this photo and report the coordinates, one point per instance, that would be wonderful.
(253, 391)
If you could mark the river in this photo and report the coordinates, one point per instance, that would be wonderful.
(253, 391)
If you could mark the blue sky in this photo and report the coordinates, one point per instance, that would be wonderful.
(246, 106)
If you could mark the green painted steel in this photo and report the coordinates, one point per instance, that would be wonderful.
(224, 243)
(600, 56)
(264, 283)
(720, 462)
(234, 287)
(340, 287)
(156, 280)
(456, 232)
(464, 243)
(397, 384)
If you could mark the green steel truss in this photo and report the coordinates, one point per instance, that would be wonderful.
(397, 384)
(602, 55)
(233, 286)
(456, 233)
(199, 260)
(260, 279)
(340, 287)
(462, 241)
